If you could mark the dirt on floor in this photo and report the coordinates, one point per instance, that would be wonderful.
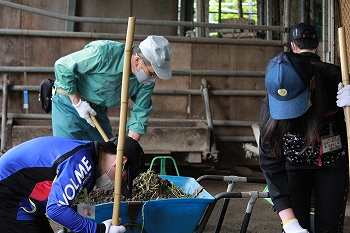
(263, 219)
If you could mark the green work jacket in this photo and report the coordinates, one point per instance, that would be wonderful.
(96, 71)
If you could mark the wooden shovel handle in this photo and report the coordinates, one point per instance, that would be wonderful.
(99, 128)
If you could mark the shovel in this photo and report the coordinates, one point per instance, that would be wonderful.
(99, 128)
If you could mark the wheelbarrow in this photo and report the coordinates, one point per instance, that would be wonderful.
(176, 215)
(252, 195)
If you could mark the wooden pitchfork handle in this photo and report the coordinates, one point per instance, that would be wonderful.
(99, 128)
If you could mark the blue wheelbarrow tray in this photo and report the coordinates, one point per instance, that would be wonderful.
(173, 215)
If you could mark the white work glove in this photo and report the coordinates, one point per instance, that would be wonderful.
(293, 226)
(343, 95)
(84, 110)
(113, 229)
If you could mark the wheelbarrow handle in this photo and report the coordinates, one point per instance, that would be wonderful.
(231, 179)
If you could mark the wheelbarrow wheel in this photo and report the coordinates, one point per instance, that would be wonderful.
(131, 225)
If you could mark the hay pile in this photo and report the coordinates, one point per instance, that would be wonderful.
(147, 186)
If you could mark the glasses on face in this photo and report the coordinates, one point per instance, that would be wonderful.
(151, 74)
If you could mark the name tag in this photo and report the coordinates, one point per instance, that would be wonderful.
(331, 143)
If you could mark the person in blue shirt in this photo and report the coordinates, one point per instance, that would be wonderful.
(51, 175)
(90, 80)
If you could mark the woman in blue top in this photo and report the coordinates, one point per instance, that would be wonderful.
(90, 80)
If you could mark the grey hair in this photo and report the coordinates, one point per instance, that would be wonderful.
(137, 51)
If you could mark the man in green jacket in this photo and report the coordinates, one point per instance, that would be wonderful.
(90, 80)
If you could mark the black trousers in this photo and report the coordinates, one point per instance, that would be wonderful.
(39, 225)
(330, 185)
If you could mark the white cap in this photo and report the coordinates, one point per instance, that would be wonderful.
(157, 50)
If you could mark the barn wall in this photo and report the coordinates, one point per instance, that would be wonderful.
(42, 51)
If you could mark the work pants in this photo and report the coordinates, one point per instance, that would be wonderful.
(330, 185)
(67, 123)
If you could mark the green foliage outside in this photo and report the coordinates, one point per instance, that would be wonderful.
(229, 9)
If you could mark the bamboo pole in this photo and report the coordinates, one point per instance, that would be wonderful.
(122, 122)
(345, 78)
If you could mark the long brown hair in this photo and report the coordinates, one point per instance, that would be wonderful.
(309, 124)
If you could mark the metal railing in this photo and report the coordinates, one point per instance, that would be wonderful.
(19, 69)
(139, 21)
(199, 25)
